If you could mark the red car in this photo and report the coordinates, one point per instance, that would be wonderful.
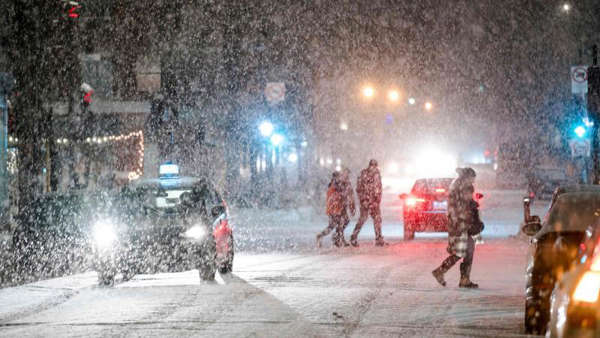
(426, 206)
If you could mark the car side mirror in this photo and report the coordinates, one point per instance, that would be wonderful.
(403, 196)
(532, 226)
(217, 210)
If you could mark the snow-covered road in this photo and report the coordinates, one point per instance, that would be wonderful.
(295, 290)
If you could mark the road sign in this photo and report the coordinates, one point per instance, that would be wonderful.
(275, 92)
(579, 79)
(580, 147)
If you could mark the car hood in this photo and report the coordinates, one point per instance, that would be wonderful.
(572, 212)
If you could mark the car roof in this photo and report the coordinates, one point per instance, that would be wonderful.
(572, 212)
(434, 179)
(170, 183)
(576, 188)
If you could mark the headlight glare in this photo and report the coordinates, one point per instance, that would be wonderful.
(104, 234)
(588, 287)
(196, 232)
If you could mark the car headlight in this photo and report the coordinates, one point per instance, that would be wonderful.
(196, 232)
(104, 234)
(588, 287)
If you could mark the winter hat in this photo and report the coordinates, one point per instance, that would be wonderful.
(466, 172)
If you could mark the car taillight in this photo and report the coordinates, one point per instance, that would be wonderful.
(413, 201)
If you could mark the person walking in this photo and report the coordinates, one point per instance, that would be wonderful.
(349, 206)
(334, 208)
(463, 225)
(369, 191)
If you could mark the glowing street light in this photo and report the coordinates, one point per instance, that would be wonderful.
(428, 105)
(566, 7)
(266, 128)
(368, 92)
(293, 158)
(412, 100)
(580, 131)
(393, 95)
(344, 126)
(276, 139)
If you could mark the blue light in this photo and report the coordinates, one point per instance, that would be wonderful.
(580, 131)
(266, 128)
(276, 139)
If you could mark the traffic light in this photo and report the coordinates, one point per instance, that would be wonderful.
(71, 9)
(86, 91)
(580, 131)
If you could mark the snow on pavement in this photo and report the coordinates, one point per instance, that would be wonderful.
(282, 286)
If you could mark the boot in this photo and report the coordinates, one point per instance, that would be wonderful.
(438, 274)
(344, 243)
(353, 242)
(319, 240)
(381, 242)
(466, 283)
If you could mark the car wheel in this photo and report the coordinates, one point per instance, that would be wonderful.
(409, 232)
(536, 318)
(227, 265)
(207, 266)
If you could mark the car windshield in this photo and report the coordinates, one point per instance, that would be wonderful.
(276, 168)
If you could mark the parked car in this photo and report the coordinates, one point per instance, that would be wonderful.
(554, 249)
(425, 208)
(574, 305)
(167, 224)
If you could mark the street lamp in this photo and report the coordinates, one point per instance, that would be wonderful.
(580, 131)
(344, 126)
(266, 128)
(393, 95)
(368, 92)
(412, 100)
(276, 139)
(428, 105)
(566, 7)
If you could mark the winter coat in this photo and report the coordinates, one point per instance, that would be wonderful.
(460, 217)
(348, 193)
(368, 187)
(335, 200)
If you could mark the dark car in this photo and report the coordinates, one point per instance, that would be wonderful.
(425, 208)
(167, 224)
(575, 305)
(554, 249)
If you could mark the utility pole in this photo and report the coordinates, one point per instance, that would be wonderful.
(593, 105)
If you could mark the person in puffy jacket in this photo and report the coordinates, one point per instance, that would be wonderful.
(369, 191)
(334, 209)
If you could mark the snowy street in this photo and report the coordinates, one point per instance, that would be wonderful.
(281, 292)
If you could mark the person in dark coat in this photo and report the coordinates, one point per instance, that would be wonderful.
(463, 217)
(334, 208)
(369, 191)
(349, 206)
